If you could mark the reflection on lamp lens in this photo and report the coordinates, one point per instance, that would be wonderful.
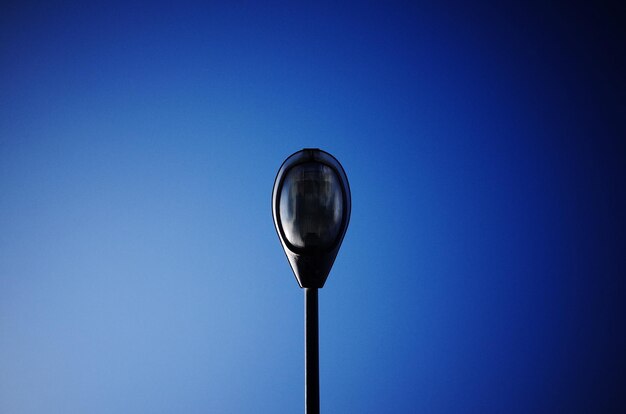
(311, 206)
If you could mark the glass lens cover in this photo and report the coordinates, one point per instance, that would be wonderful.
(311, 205)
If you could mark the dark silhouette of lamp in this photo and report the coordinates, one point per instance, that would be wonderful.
(311, 208)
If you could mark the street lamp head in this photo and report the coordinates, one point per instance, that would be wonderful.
(311, 209)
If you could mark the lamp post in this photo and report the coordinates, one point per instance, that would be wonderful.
(311, 208)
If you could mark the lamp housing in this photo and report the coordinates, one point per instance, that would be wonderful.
(311, 207)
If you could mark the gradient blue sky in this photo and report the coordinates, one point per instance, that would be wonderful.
(483, 269)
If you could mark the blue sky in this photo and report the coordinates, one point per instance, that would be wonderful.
(483, 269)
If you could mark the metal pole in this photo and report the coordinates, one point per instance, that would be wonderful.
(311, 353)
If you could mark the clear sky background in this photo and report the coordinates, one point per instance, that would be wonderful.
(483, 269)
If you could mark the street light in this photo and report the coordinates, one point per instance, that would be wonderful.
(311, 208)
